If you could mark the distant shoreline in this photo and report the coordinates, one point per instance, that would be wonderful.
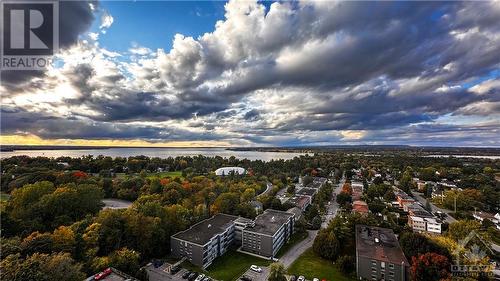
(379, 149)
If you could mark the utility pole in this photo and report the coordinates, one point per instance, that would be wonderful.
(456, 204)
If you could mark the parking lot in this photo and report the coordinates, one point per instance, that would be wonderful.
(256, 276)
(161, 274)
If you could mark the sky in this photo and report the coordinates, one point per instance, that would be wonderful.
(248, 73)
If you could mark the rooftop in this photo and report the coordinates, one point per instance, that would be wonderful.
(203, 231)
(360, 206)
(111, 274)
(270, 221)
(307, 191)
(378, 243)
(416, 209)
(299, 201)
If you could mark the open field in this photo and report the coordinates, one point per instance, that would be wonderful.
(311, 266)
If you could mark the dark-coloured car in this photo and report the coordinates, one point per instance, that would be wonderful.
(245, 278)
(192, 276)
(186, 274)
(174, 269)
(293, 278)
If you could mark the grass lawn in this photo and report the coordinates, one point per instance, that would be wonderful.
(296, 238)
(311, 266)
(171, 174)
(4, 196)
(230, 266)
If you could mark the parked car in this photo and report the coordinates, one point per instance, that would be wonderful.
(245, 278)
(315, 279)
(102, 275)
(200, 277)
(174, 270)
(207, 278)
(192, 276)
(186, 274)
(256, 268)
(293, 278)
(301, 278)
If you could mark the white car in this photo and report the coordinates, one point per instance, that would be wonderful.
(315, 279)
(256, 268)
(301, 278)
(200, 277)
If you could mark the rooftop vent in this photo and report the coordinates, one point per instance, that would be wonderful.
(377, 240)
(272, 219)
(209, 225)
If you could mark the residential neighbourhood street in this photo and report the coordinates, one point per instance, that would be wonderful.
(449, 218)
(332, 209)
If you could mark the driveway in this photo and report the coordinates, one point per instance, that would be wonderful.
(289, 257)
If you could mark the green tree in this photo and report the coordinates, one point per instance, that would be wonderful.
(276, 272)
(460, 229)
(125, 260)
(346, 264)
(326, 245)
(414, 244)
(40, 267)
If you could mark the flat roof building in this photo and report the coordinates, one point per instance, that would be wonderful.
(205, 241)
(301, 202)
(378, 255)
(271, 230)
(307, 192)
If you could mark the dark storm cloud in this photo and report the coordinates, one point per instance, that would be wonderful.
(75, 17)
(355, 65)
(18, 121)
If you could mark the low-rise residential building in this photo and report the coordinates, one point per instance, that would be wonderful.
(437, 193)
(420, 220)
(360, 207)
(301, 201)
(481, 216)
(378, 255)
(204, 241)
(357, 190)
(403, 199)
(240, 224)
(271, 230)
(296, 211)
(307, 192)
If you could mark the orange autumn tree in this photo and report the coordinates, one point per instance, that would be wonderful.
(430, 267)
(346, 188)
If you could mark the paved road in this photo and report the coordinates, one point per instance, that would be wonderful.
(449, 219)
(289, 257)
(292, 254)
(111, 203)
(269, 187)
(332, 209)
(422, 200)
